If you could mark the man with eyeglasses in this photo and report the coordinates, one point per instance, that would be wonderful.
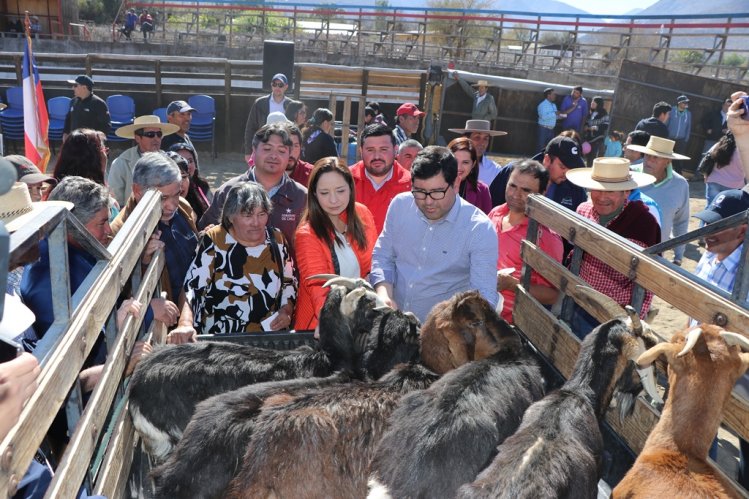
(276, 101)
(86, 109)
(434, 243)
(147, 132)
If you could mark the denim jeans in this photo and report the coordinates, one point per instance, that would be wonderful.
(544, 136)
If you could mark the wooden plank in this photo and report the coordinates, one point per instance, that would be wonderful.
(75, 461)
(672, 287)
(61, 369)
(118, 460)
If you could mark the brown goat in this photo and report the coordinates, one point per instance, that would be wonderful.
(320, 444)
(703, 367)
(462, 329)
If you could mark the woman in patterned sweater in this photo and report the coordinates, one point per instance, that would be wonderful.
(241, 279)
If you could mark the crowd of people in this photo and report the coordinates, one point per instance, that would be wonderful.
(420, 223)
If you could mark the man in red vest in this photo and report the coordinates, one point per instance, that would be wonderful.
(378, 177)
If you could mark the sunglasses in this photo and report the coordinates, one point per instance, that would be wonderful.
(150, 135)
(278, 85)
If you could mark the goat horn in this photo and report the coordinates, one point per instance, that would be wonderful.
(647, 358)
(735, 339)
(322, 276)
(635, 318)
(609, 306)
(647, 377)
(692, 337)
(347, 282)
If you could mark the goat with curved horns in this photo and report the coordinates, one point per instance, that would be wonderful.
(701, 375)
(557, 450)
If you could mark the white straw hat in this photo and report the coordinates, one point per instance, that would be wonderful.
(16, 208)
(147, 121)
(658, 146)
(609, 174)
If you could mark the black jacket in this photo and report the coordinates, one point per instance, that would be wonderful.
(258, 114)
(653, 126)
(91, 112)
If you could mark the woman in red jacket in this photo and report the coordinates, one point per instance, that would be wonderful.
(336, 236)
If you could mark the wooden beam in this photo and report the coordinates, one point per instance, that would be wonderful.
(118, 459)
(696, 301)
(61, 369)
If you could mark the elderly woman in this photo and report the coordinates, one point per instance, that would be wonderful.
(241, 279)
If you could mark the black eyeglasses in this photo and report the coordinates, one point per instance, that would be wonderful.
(435, 194)
(150, 135)
(277, 85)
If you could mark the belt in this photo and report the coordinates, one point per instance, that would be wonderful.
(544, 126)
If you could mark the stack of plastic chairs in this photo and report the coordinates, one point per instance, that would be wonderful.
(11, 118)
(161, 113)
(121, 112)
(57, 109)
(203, 125)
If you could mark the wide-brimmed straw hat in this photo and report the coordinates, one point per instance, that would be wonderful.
(657, 146)
(481, 126)
(147, 121)
(481, 83)
(609, 174)
(16, 208)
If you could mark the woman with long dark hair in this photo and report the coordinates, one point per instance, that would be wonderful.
(83, 154)
(199, 193)
(296, 112)
(596, 128)
(317, 141)
(471, 188)
(335, 236)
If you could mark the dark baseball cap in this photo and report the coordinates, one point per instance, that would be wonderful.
(179, 106)
(725, 204)
(682, 98)
(26, 171)
(280, 77)
(567, 150)
(83, 80)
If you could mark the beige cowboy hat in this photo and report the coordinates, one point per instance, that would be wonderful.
(2, 106)
(147, 121)
(482, 83)
(16, 208)
(609, 174)
(657, 146)
(482, 126)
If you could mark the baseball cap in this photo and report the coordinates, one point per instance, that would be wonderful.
(83, 80)
(26, 171)
(178, 106)
(409, 109)
(682, 98)
(280, 77)
(725, 204)
(567, 150)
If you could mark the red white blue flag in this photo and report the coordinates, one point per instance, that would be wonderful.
(35, 118)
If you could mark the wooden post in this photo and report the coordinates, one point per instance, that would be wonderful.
(297, 81)
(332, 102)
(89, 66)
(157, 77)
(345, 128)
(227, 105)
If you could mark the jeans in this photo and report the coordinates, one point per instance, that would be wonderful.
(712, 190)
(544, 136)
(582, 323)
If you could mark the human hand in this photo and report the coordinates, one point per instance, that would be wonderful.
(153, 245)
(140, 350)
(283, 319)
(735, 116)
(18, 380)
(164, 311)
(207, 228)
(506, 282)
(182, 334)
(129, 306)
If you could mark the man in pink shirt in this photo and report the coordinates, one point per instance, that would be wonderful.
(511, 223)
(378, 177)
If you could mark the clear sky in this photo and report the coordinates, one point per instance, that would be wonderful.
(609, 7)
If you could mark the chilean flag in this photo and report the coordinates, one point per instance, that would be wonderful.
(35, 118)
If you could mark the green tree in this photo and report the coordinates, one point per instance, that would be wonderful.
(459, 33)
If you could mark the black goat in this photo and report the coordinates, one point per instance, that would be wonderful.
(442, 437)
(322, 443)
(556, 452)
(167, 384)
(211, 449)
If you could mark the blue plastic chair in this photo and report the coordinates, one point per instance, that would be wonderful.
(161, 113)
(11, 118)
(203, 125)
(57, 109)
(121, 112)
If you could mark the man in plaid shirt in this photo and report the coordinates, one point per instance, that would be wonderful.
(610, 182)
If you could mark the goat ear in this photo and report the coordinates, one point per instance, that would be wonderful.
(651, 355)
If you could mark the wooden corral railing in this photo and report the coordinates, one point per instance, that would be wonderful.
(708, 44)
(101, 445)
(552, 336)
